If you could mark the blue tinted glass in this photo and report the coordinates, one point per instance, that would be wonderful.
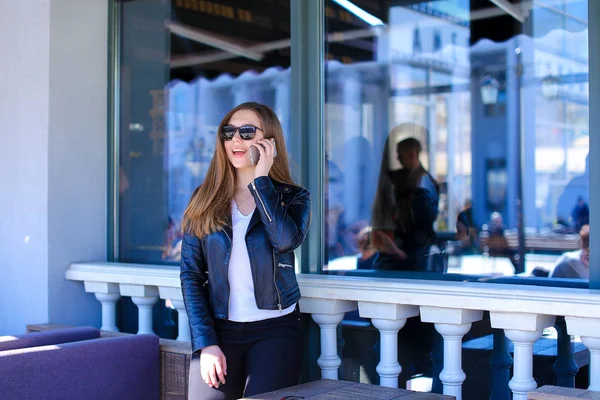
(184, 65)
(457, 137)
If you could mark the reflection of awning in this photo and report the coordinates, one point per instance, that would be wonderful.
(497, 25)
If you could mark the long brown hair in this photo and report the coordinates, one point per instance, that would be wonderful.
(210, 206)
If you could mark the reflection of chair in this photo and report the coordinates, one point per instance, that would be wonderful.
(496, 245)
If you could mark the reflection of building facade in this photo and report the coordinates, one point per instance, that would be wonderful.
(422, 74)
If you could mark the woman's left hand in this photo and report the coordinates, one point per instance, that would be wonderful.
(266, 148)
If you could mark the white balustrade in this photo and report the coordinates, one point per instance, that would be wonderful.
(593, 344)
(523, 330)
(183, 325)
(144, 297)
(521, 311)
(109, 310)
(588, 330)
(388, 319)
(108, 295)
(452, 324)
(176, 297)
(328, 314)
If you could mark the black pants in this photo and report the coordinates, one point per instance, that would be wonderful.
(261, 356)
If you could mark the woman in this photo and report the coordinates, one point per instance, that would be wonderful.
(237, 263)
(405, 207)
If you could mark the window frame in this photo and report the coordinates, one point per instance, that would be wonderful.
(308, 43)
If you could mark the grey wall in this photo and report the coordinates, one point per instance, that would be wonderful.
(53, 152)
(23, 164)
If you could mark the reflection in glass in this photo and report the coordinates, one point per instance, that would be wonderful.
(184, 64)
(503, 109)
(405, 206)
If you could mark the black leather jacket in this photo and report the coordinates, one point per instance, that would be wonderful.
(277, 227)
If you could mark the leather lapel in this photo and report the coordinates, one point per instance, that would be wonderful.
(254, 220)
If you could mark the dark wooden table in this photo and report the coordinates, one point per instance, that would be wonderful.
(326, 389)
(561, 393)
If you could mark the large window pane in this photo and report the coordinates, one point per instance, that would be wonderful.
(497, 112)
(184, 65)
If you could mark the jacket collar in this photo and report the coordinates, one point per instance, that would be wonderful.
(281, 188)
(255, 219)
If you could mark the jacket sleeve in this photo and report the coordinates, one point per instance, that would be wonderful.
(286, 224)
(425, 206)
(193, 276)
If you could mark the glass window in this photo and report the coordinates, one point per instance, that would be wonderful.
(457, 137)
(183, 66)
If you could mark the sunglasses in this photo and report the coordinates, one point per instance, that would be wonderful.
(247, 132)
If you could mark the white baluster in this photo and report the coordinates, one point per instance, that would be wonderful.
(523, 330)
(183, 326)
(144, 305)
(328, 360)
(587, 329)
(388, 368)
(144, 297)
(522, 380)
(174, 294)
(453, 376)
(328, 314)
(388, 319)
(109, 310)
(452, 324)
(593, 344)
(108, 295)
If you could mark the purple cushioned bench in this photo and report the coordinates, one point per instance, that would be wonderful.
(107, 368)
(56, 336)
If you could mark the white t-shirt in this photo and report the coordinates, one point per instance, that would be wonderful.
(242, 303)
(569, 265)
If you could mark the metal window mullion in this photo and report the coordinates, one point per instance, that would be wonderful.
(113, 108)
(307, 118)
(594, 147)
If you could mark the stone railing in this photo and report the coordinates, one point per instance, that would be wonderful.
(522, 312)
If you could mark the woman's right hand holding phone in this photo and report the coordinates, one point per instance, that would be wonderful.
(213, 366)
(267, 150)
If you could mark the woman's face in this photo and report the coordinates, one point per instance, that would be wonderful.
(237, 149)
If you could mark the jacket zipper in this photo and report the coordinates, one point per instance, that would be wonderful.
(282, 265)
(261, 202)
(275, 282)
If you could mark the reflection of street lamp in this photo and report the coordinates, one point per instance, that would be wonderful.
(489, 90)
(550, 86)
(489, 96)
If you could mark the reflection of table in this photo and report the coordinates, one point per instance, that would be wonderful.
(548, 392)
(480, 265)
(534, 242)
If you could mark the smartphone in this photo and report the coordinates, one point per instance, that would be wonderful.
(255, 154)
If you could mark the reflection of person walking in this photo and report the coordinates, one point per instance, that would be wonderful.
(405, 209)
(580, 214)
(575, 264)
(238, 275)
